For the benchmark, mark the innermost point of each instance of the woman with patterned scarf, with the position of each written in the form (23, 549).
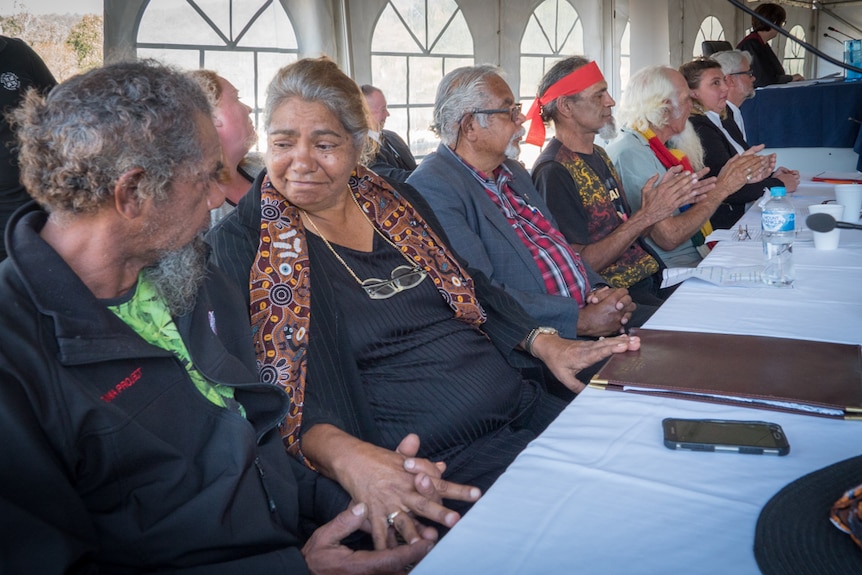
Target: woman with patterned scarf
(721, 139)
(379, 334)
(657, 137)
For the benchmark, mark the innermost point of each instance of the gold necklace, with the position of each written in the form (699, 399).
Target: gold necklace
(372, 286)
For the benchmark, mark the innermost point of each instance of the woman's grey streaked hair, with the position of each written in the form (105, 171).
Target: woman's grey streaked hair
(91, 129)
(321, 80)
(460, 92)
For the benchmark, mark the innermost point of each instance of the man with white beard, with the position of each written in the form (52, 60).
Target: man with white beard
(495, 218)
(582, 188)
(657, 137)
(137, 437)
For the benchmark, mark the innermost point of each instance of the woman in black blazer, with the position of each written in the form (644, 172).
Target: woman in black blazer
(721, 139)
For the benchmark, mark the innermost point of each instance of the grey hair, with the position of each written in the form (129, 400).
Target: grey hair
(91, 129)
(460, 92)
(731, 60)
(320, 80)
(368, 89)
(557, 72)
(650, 99)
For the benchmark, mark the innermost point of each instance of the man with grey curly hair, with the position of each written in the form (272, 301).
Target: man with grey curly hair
(138, 438)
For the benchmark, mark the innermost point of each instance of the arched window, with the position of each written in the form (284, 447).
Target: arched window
(794, 54)
(415, 43)
(554, 31)
(710, 29)
(625, 58)
(245, 41)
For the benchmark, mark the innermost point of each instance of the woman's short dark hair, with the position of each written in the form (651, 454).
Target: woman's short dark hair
(772, 12)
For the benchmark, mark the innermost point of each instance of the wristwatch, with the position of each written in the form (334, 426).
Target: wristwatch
(531, 338)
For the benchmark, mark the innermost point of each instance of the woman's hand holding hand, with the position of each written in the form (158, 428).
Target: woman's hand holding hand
(392, 484)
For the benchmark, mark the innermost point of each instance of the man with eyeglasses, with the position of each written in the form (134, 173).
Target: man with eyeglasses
(739, 77)
(497, 220)
(740, 80)
(583, 190)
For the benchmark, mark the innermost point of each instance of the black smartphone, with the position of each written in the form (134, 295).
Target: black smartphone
(758, 437)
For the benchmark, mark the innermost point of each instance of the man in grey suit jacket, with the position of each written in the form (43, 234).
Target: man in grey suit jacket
(496, 219)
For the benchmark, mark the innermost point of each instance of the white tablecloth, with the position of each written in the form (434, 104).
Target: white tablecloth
(599, 493)
(824, 304)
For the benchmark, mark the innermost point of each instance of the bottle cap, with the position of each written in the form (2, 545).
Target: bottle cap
(778, 191)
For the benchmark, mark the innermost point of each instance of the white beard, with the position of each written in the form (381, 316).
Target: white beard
(609, 131)
(689, 142)
(513, 150)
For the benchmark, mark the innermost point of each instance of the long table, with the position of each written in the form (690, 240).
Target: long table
(793, 116)
(598, 492)
(823, 115)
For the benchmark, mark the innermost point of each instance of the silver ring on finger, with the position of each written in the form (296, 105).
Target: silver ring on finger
(390, 519)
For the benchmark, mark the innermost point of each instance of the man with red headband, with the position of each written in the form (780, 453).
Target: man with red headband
(495, 218)
(583, 190)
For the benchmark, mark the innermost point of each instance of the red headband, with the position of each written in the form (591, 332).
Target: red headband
(577, 81)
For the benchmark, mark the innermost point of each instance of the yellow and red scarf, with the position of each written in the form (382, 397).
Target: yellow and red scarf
(670, 157)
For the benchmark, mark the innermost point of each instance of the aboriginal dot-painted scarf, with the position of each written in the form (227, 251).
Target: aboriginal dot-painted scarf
(280, 282)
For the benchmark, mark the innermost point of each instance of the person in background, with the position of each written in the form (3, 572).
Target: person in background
(656, 136)
(721, 139)
(496, 218)
(236, 133)
(581, 186)
(736, 67)
(21, 68)
(373, 327)
(393, 158)
(765, 64)
(137, 438)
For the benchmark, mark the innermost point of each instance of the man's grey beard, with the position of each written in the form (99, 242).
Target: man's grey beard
(609, 131)
(179, 274)
(513, 150)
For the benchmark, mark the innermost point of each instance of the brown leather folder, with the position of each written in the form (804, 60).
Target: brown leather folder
(812, 377)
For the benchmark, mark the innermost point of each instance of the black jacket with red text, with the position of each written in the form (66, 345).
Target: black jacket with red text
(113, 462)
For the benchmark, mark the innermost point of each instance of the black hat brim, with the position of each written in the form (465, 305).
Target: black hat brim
(794, 535)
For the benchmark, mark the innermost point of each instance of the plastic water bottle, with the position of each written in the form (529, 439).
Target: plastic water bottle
(779, 227)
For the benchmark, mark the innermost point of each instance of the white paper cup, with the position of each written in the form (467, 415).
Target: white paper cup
(849, 196)
(827, 240)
